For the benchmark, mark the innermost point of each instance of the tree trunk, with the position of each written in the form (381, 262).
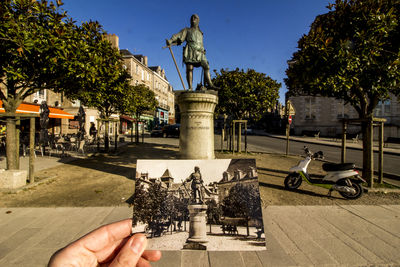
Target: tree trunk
(11, 145)
(106, 136)
(137, 131)
(368, 159)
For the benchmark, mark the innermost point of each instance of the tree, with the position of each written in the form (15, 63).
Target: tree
(243, 201)
(351, 53)
(138, 100)
(213, 212)
(99, 79)
(148, 203)
(245, 93)
(140, 202)
(35, 44)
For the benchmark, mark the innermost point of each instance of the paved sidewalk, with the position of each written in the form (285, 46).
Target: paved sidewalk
(295, 236)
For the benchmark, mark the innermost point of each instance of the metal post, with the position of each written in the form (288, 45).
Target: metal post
(245, 137)
(344, 133)
(132, 132)
(143, 132)
(98, 136)
(116, 136)
(18, 134)
(239, 137)
(222, 139)
(229, 139)
(369, 170)
(31, 177)
(233, 137)
(380, 160)
(287, 135)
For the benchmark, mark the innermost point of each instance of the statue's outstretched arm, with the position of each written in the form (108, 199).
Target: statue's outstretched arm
(178, 38)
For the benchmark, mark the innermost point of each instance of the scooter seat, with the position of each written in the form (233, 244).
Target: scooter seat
(331, 167)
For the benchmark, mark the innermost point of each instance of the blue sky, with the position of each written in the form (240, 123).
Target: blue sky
(260, 35)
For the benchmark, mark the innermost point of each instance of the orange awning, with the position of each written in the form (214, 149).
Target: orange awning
(124, 117)
(55, 113)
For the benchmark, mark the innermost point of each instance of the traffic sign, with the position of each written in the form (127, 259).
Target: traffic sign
(290, 119)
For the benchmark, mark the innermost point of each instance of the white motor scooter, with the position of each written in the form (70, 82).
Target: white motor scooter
(340, 177)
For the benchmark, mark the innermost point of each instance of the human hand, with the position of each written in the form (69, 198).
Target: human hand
(109, 245)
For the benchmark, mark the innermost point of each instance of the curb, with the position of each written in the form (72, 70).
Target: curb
(327, 143)
(27, 186)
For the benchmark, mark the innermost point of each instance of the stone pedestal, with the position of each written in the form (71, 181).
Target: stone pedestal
(12, 179)
(196, 139)
(197, 225)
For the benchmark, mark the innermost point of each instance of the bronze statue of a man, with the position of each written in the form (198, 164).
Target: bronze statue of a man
(194, 54)
(197, 183)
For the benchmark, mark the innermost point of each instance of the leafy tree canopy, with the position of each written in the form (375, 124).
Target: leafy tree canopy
(245, 94)
(96, 75)
(243, 201)
(351, 53)
(35, 43)
(138, 100)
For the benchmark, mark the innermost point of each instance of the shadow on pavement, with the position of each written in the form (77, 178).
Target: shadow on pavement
(301, 191)
(123, 163)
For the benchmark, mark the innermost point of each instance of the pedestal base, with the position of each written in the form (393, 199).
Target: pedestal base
(12, 179)
(196, 140)
(197, 225)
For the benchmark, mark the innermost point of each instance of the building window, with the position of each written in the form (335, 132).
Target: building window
(342, 110)
(382, 109)
(137, 69)
(39, 96)
(309, 108)
(142, 75)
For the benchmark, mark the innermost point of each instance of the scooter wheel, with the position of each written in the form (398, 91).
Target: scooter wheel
(359, 191)
(293, 181)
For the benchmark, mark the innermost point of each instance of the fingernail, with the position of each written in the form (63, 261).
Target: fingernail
(137, 244)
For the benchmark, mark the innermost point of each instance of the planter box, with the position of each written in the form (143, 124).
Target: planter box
(11, 179)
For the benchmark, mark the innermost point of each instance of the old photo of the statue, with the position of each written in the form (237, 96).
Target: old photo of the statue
(209, 205)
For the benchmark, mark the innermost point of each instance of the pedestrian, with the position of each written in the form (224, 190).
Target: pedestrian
(92, 130)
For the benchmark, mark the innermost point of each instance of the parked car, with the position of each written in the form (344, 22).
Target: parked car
(171, 130)
(248, 131)
(157, 132)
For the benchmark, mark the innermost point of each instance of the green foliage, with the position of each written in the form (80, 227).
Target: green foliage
(245, 94)
(243, 201)
(35, 43)
(138, 100)
(96, 75)
(351, 53)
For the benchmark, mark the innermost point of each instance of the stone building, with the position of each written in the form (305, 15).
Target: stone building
(59, 117)
(178, 190)
(154, 78)
(324, 114)
(239, 171)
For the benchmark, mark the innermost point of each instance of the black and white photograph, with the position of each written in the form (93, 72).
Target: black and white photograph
(199, 204)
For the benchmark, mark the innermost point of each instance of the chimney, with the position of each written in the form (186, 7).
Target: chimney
(145, 61)
(114, 40)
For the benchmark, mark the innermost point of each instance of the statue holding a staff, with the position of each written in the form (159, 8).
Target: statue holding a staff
(194, 54)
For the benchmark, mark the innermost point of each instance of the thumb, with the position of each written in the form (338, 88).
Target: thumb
(131, 252)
